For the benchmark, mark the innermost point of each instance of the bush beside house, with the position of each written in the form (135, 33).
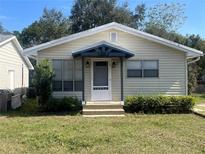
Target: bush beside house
(42, 82)
(159, 104)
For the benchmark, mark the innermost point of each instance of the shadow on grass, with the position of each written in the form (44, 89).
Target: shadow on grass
(19, 113)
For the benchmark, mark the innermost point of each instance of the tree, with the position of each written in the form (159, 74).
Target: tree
(42, 81)
(51, 25)
(139, 16)
(1, 28)
(86, 14)
(165, 17)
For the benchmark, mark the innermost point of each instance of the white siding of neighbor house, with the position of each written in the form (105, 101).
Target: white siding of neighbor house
(172, 65)
(11, 60)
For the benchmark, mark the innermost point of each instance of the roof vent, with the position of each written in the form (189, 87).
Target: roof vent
(113, 37)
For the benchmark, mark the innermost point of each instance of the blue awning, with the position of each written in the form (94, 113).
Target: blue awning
(103, 49)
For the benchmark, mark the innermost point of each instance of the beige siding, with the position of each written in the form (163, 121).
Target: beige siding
(116, 81)
(11, 60)
(87, 79)
(172, 65)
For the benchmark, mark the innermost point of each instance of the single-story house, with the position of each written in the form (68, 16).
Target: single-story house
(14, 66)
(112, 61)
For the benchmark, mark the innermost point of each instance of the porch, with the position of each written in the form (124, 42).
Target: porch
(102, 72)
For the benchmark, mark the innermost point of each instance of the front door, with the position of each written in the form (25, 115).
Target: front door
(101, 80)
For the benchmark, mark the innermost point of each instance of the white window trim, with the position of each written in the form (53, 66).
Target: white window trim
(111, 37)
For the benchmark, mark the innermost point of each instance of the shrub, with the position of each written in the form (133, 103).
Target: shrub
(31, 92)
(42, 81)
(29, 106)
(70, 104)
(159, 104)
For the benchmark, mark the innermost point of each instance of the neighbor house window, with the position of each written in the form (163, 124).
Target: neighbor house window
(68, 75)
(113, 36)
(142, 68)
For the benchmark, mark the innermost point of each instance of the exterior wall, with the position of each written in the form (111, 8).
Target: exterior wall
(87, 81)
(11, 60)
(172, 65)
(116, 81)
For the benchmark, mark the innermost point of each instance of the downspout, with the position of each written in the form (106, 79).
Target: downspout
(190, 62)
(193, 61)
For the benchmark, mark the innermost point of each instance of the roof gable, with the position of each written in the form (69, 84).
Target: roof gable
(18, 47)
(103, 49)
(190, 51)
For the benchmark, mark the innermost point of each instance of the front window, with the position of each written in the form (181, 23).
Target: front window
(68, 75)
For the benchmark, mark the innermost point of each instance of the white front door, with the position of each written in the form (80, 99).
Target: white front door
(11, 80)
(101, 80)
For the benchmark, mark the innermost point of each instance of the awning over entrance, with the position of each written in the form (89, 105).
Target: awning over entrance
(103, 49)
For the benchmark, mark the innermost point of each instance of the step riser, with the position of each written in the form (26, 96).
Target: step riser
(102, 107)
(103, 112)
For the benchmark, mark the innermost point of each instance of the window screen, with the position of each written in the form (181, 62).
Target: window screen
(150, 68)
(134, 69)
(67, 75)
(142, 68)
(57, 82)
(78, 75)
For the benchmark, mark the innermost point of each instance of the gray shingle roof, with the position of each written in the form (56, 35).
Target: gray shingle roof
(4, 37)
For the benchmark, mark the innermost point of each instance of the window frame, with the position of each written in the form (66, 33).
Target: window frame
(142, 69)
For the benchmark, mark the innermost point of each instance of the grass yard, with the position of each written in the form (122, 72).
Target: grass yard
(200, 98)
(182, 133)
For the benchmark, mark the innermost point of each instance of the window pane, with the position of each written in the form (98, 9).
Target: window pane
(57, 81)
(67, 70)
(57, 67)
(78, 85)
(150, 73)
(134, 73)
(57, 85)
(68, 85)
(78, 69)
(150, 64)
(68, 75)
(78, 64)
(134, 64)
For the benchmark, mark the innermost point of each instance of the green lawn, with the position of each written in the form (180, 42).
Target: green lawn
(182, 133)
(200, 98)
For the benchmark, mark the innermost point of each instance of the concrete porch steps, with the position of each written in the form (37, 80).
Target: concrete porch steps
(103, 109)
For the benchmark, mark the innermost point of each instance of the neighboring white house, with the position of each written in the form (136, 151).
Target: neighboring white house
(110, 62)
(14, 66)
